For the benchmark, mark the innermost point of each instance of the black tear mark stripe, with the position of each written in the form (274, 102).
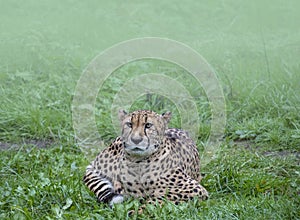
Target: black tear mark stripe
(131, 120)
(148, 139)
(146, 118)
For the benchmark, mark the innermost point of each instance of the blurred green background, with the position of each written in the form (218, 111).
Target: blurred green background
(227, 33)
(254, 47)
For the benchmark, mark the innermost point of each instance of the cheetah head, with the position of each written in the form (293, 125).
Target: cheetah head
(143, 131)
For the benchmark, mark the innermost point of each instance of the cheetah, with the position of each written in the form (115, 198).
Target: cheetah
(147, 161)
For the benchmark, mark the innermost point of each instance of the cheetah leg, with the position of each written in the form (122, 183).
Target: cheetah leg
(180, 187)
(102, 187)
(175, 186)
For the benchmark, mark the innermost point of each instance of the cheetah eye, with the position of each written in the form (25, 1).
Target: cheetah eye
(128, 124)
(148, 125)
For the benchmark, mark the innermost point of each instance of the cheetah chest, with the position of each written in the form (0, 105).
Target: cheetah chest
(139, 179)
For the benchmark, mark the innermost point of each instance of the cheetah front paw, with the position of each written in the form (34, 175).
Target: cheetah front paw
(118, 198)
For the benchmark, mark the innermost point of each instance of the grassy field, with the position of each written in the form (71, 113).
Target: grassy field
(254, 48)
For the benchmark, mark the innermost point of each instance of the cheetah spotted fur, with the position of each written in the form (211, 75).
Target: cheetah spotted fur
(147, 161)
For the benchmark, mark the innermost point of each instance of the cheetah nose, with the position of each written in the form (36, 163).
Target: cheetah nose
(136, 140)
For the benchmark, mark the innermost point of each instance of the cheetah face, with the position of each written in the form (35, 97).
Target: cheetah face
(143, 131)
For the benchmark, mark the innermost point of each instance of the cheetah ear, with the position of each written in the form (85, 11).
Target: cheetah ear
(122, 114)
(167, 116)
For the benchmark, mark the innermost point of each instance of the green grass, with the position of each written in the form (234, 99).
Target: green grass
(254, 49)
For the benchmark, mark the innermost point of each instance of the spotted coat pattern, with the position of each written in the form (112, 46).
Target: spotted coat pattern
(148, 160)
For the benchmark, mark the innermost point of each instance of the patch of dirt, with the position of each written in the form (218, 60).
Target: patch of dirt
(282, 153)
(248, 145)
(34, 143)
(244, 143)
